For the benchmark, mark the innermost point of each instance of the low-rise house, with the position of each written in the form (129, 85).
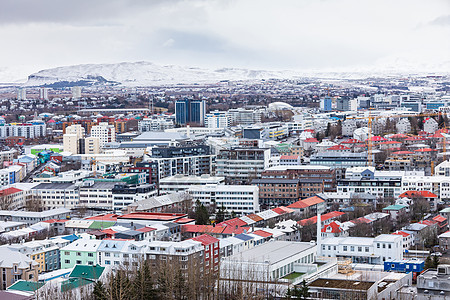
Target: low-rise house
(79, 252)
(16, 266)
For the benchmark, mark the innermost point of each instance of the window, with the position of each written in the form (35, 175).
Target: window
(389, 246)
(107, 262)
(67, 261)
(378, 245)
(345, 248)
(66, 253)
(78, 253)
(107, 254)
(384, 246)
(367, 249)
(91, 254)
(352, 248)
(359, 249)
(78, 262)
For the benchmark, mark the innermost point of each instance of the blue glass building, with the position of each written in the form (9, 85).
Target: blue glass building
(189, 111)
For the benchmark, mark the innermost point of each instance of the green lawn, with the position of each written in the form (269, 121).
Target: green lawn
(293, 275)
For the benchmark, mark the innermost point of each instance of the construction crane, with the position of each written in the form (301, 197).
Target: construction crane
(370, 120)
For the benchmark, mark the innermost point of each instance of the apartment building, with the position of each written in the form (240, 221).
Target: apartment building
(241, 165)
(439, 185)
(179, 183)
(97, 194)
(80, 252)
(29, 130)
(240, 199)
(56, 195)
(187, 159)
(155, 124)
(124, 195)
(326, 174)
(276, 192)
(105, 132)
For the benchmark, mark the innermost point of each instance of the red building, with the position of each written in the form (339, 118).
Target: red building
(211, 253)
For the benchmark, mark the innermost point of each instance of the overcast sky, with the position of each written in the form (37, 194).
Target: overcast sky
(261, 34)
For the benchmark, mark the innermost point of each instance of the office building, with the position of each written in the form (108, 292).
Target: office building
(240, 199)
(217, 119)
(325, 104)
(190, 111)
(179, 183)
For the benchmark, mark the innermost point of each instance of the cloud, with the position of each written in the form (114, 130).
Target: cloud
(441, 21)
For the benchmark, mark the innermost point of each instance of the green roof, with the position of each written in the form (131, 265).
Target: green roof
(87, 272)
(394, 207)
(26, 286)
(73, 283)
(101, 225)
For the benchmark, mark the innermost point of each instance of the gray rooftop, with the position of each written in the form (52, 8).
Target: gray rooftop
(272, 252)
(160, 136)
(275, 180)
(54, 186)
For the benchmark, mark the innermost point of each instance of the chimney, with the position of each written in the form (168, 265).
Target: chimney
(319, 233)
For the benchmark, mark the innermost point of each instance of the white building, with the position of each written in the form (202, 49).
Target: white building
(430, 125)
(155, 124)
(439, 185)
(29, 130)
(56, 195)
(443, 169)
(92, 145)
(76, 92)
(71, 138)
(242, 116)
(241, 199)
(178, 183)
(105, 132)
(43, 93)
(217, 119)
(403, 126)
(348, 127)
(364, 250)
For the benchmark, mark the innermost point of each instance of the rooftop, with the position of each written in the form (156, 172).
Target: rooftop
(272, 252)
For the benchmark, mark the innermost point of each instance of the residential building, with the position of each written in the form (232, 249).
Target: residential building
(80, 252)
(160, 123)
(92, 145)
(242, 116)
(240, 199)
(276, 192)
(30, 217)
(179, 183)
(217, 119)
(105, 132)
(16, 266)
(28, 130)
(312, 205)
(124, 195)
(211, 252)
(97, 194)
(241, 165)
(73, 139)
(56, 195)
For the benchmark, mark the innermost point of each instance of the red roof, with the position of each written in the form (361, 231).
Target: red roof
(351, 141)
(311, 140)
(233, 222)
(324, 217)
(335, 228)
(206, 239)
(439, 218)
(55, 221)
(338, 147)
(235, 230)
(437, 135)
(390, 143)
(105, 217)
(289, 157)
(262, 233)
(9, 191)
(282, 210)
(425, 150)
(109, 231)
(411, 194)
(403, 153)
(402, 233)
(145, 229)
(255, 218)
(184, 220)
(377, 138)
(361, 220)
(428, 222)
(202, 228)
(306, 202)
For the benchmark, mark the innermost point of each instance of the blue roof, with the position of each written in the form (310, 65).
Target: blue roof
(71, 237)
(243, 237)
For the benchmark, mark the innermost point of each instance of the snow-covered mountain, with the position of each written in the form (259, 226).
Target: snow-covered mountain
(145, 74)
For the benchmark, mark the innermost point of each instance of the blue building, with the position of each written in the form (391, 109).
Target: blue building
(325, 104)
(404, 266)
(189, 111)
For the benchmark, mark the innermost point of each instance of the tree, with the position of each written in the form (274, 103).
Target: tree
(419, 208)
(220, 215)
(298, 293)
(201, 214)
(99, 291)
